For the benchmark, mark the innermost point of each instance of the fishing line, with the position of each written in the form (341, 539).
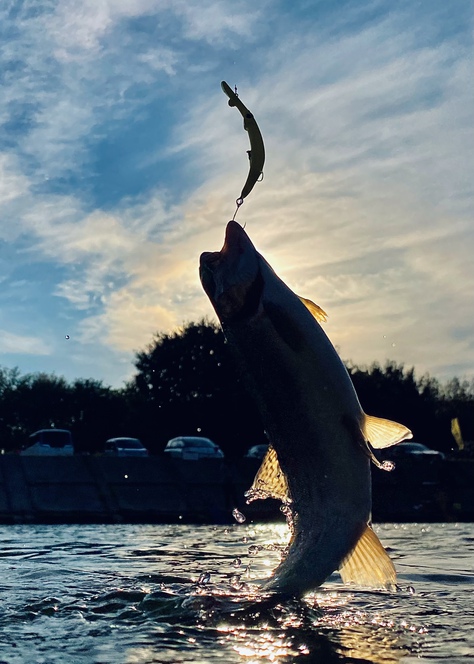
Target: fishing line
(239, 202)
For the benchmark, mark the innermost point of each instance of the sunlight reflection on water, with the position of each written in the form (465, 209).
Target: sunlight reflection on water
(147, 593)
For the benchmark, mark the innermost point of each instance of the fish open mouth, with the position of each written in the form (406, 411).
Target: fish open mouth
(231, 277)
(208, 262)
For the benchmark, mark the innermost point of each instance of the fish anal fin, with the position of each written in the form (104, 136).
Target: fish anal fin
(368, 564)
(383, 433)
(270, 481)
(320, 315)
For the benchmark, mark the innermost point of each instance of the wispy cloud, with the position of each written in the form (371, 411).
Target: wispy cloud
(120, 162)
(18, 344)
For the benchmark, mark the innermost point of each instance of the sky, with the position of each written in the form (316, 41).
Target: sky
(120, 162)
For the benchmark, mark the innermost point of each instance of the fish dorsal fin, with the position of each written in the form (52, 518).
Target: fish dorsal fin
(270, 480)
(383, 433)
(320, 315)
(368, 564)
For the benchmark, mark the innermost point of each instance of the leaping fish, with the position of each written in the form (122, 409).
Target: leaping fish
(318, 461)
(257, 149)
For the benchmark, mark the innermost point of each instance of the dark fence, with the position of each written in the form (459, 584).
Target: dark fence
(92, 489)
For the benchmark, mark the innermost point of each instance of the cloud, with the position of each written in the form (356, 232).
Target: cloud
(366, 202)
(15, 344)
(130, 319)
(217, 23)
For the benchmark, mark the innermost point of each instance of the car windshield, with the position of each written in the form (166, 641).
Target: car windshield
(191, 441)
(53, 438)
(124, 444)
(199, 442)
(130, 443)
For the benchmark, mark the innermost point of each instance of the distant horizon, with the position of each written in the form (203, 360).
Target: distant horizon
(120, 162)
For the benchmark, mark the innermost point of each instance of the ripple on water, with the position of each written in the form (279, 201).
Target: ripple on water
(132, 594)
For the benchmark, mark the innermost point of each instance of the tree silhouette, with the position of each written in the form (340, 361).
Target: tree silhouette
(40, 401)
(187, 384)
(96, 413)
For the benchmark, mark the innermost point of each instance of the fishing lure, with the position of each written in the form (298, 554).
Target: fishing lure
(257, 149)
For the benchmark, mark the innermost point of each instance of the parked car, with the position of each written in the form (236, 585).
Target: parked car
(193, 448)
(49, 442)
(411, 449)
(257, 451)
(124, 446)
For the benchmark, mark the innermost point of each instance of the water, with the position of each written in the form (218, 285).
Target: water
(136, 594)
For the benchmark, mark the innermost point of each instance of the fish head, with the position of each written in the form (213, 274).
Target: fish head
(231, 277)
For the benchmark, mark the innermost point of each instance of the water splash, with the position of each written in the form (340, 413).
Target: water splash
(254, 550)
(238, 516)
(256, 494)
(285, 508)
(204, 579)
(235, 582)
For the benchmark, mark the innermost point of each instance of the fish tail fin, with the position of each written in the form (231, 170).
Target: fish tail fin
(368, 564)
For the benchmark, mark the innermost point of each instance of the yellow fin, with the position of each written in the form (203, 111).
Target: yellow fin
(383, 433)
(270, 481)
(320, 315)
(456, 432)
(368, 564)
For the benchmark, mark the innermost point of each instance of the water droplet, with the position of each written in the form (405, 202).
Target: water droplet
(393, 345)
(66, 336)
(387, 465)
(235, 581)
(253, 550)
(204, 578)
(238, 516)
(236, 562)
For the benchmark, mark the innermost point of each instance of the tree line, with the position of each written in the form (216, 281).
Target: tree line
(186, 383)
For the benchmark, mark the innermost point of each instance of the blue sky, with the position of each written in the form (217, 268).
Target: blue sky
(120, 162)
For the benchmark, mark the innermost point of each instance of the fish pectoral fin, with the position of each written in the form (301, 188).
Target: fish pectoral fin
(320, 315)
(368, 564)
(383, 433)
(270, 480)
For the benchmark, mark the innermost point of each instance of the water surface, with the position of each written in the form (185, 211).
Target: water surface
(153, 593)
